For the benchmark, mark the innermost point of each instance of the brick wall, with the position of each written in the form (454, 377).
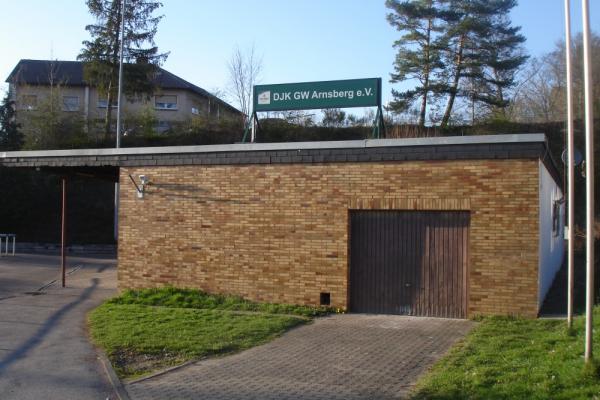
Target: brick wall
(278, 232)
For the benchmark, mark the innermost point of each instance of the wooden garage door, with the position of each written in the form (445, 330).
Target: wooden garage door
(409, 262)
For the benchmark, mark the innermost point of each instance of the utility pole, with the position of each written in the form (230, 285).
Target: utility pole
(570, 166)
(589, 180)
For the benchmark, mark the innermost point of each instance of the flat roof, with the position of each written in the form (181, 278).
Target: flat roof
(106, 162)
(250, 147)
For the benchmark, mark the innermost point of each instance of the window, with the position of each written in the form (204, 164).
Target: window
(29, 102)
(195, 111)
(102, 103)
(165, 102)
(70, 103)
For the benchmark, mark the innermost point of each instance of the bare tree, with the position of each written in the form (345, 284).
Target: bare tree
(297, 117)
(539, 97)
(333, 118)
(218, 92)
(244, 72)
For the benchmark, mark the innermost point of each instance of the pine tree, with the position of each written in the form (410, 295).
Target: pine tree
(484, 51)
(418, 56)
(140, 53)
(502, 55)
(462, 28)
(11, 138)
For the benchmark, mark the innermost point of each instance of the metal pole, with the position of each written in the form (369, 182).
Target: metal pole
(253, 127)
(120, 90)
(63, 233)
(116, 213)
(119, 104)
(571, 166)
(589, 184)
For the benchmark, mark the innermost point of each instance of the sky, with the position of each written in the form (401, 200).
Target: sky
(302, 40)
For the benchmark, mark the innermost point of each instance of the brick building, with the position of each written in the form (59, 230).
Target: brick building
(447, 227)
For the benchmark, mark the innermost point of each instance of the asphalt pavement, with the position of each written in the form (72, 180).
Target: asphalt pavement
(44, 349)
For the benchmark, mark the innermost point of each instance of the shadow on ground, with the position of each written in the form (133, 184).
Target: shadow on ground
(45, 329)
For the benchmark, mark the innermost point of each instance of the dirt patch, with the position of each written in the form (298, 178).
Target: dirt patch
(132, 364)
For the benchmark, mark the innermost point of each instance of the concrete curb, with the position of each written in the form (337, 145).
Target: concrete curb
(163, 371)
(112, 376)
(44, 248)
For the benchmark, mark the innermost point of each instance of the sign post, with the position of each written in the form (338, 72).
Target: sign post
(319, 95)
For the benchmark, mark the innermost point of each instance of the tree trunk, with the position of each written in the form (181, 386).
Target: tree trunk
(500, 96)
(455, 81)
(423, 109)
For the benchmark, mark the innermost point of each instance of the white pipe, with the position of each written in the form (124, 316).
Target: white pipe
(589, 177)
(570, 167)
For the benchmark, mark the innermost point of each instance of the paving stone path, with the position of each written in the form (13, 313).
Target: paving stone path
(352, 356)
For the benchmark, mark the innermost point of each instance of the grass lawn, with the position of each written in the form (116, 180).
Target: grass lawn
(190, 298)
(142, 331)
(509, 358)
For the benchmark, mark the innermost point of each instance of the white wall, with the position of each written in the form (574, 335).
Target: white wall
(552, 244)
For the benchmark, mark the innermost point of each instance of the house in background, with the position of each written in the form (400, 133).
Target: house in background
(174, 101)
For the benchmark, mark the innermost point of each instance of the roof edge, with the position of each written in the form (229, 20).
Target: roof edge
(240, 147)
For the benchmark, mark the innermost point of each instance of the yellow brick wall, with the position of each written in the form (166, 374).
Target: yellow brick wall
(279, 233)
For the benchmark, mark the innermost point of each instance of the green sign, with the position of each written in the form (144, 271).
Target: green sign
(315, 95)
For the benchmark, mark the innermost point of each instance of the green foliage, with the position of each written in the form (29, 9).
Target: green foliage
(202, 124)
(513, 358)
(130, 332)
(501, 55)
(419, 51)
(454, 49)
(140, 54)
(483, 53)
(11, 138)
(365, 120)
(142, 123)
(199, 123)
(192, 298)
(49, 127)
(333, 118)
